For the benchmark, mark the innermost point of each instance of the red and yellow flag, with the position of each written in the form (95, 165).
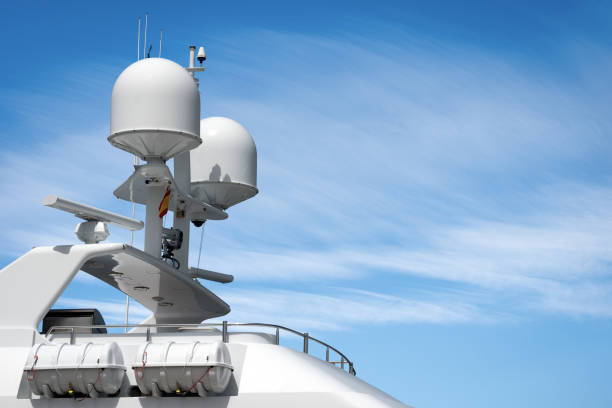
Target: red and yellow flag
(163, 206)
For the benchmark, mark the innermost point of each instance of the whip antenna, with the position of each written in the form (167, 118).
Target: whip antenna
(144, 49)
(161, 36)
(138, 59)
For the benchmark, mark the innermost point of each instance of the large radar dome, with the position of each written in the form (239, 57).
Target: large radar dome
(155, 110)
(224, 167)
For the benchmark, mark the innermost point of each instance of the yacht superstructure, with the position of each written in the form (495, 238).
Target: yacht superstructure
(176, 357)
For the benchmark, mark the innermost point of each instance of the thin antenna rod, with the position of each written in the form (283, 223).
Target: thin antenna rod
(144, 49)
(201, 239)
(127, 311)
(138, 59)
(161, 36)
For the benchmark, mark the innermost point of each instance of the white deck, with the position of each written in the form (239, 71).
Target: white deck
(265, 374)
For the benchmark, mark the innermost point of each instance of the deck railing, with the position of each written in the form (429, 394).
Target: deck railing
(343, 361)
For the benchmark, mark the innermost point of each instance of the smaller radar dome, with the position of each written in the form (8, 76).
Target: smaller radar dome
(155, 110)
(224, 167)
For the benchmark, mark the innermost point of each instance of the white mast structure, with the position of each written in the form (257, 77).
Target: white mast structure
(155, 110)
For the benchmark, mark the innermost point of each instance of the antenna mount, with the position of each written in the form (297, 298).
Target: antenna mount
(201, 57)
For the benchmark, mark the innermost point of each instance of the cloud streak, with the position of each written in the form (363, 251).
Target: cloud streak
(344, 308)
(339, 309)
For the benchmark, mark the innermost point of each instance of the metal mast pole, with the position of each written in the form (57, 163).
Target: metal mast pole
(182, 177)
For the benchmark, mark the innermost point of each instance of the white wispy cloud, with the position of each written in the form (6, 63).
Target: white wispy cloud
(449, 165)
(344, 308)
(555, 259)
(340, 309)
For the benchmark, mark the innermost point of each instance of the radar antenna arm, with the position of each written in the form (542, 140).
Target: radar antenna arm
(89, 213)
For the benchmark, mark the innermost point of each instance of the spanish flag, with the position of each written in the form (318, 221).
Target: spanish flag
(163, 206)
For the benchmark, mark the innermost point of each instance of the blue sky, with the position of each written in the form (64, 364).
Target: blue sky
(434, 179)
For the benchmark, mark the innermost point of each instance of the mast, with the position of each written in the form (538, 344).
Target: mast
(155, 115)
(182, 176)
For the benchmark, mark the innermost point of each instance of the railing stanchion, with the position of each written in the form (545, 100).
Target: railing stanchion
(342, 362)
(327, 354)
(72, 336)
(148, 335)
(306, 343)
(225, 336)
(277, 337)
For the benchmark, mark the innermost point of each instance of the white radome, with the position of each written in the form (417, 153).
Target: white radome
(224, 167)
(155, 110)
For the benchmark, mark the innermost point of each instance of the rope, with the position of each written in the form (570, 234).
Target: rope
(144, 361)
(201, 239)
(198, 380)
(30, 373)
(92, 386)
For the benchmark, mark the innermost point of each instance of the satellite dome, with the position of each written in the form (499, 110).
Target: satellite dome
(224, 167)
(155, 110)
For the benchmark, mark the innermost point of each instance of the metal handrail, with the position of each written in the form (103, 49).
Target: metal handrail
(224, 334)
